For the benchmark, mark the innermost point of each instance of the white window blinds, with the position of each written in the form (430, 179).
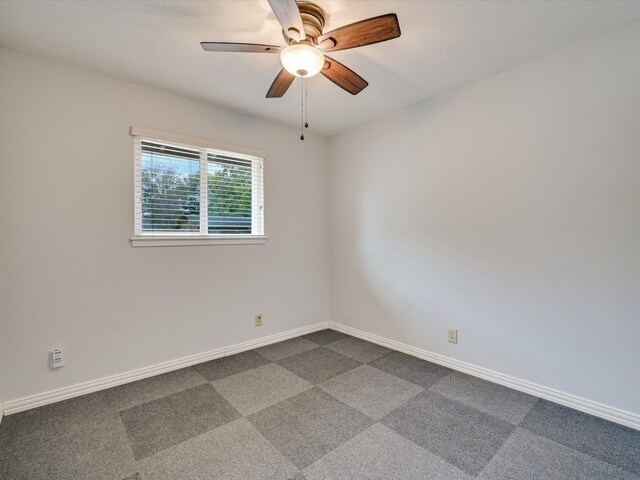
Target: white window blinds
(192, 191)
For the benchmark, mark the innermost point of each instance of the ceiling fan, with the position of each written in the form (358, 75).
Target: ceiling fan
(305, 54)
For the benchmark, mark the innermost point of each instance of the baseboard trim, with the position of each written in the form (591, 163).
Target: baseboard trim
(607, 412)
(64, 393)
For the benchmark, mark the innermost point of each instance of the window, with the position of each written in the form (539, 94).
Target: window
(187, 194)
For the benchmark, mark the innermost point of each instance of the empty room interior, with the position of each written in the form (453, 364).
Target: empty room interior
(319, 240)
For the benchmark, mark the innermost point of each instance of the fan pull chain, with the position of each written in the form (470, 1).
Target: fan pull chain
(306, 104)
(302, 109)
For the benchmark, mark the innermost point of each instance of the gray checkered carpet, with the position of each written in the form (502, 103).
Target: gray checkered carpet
(321, 406)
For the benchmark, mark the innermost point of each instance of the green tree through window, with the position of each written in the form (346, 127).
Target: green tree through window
(229, 198)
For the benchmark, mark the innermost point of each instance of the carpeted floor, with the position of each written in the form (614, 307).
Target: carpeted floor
(321, 406)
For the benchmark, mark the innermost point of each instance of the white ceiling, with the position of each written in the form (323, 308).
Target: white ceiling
(444, 44)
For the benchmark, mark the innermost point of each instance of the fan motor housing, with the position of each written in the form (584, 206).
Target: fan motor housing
(313, 19)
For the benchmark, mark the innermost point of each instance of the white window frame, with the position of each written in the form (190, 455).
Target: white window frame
(156, 239)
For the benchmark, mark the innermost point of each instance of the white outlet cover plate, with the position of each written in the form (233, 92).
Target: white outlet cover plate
(453, 335)
(56, 357)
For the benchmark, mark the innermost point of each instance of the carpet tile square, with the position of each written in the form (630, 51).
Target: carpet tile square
(379, 453)
(527, 456)
(607, 441)
(261, 387)
(371, 391)
(76, 439)
(358, 349)
(318, 365)
(411, 369)
(235, 451)
(501, 402)
(226, 366)
(324, 337)
(459, 434)
(280, 350)
(152, 388)
(306, 427)
(162, 423)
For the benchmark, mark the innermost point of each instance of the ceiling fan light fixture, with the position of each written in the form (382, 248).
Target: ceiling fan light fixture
(302, 60)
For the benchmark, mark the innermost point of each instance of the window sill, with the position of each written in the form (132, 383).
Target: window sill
(186, 241)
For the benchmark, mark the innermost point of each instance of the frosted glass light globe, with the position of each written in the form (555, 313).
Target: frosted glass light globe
(302, 60)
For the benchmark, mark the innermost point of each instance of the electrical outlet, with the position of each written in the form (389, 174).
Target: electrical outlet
(453, 335)
(56, 358)
(258, 319)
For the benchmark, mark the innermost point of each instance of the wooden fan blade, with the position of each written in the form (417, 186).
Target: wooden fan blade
(281, 84)
(239, 47)
(343, 77)
(365, 32)
(288, 15)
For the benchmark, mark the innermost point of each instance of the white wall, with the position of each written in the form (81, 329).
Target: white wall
(509, 209)
(68, 275)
